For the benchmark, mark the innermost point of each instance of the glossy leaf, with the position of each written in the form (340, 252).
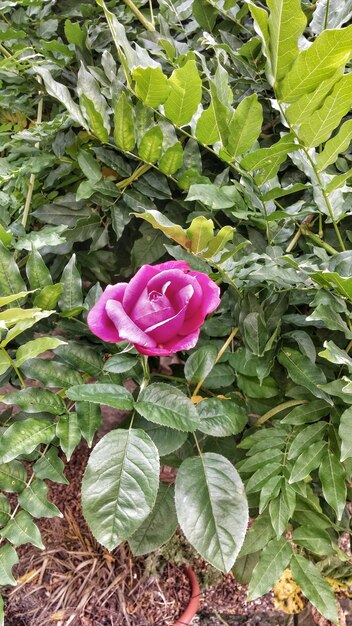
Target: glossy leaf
(36, 400)
(8, 558)
(152, 85)
(307, 413)
(185, 94)
(21, 529)
(166, 439)
(314, 586)
(333, 480)
(72, 287)
(23, 437)
(159, 526)
(303, 372)
(286, 24)
(81, 356)
(308, 461)
(89, 419)
(13, 477)
(167, 406)
(51, 373)
(50, 466)
(124, 132)
(150, 147)
(245, 126)
(274, 558)
(37, 272)
(171, 160)
(221, 418)
(32, 348)
(69, 433)
(200, 363)
(102, 393)
(34, 500)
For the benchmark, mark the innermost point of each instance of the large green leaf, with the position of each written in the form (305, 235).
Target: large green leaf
(315, 539)
(21, 529)
(200, 363)
(330, 51)
(212, 508)
(273, 560)
(51, 373)
(205, 14)
(221, 418)
(207, 131)
(303, 372)
(335, 146)
(34, 500)
(69, 433)
(306, 413)
(120, 485)
(72, 286)
(37, 272)
(103, 393)
(23, 437)
(330, 14)
(308, 461)
(333, 480)
(32, 348)
(245, 126)
(159, 526)
(13, 477)
(171, 160)
(171, 230)
(89, 419)
(185, 94)
(268, 160)
(152, 85)
(305, 437)
(36, 400)
(286, 24)
(61, 93)
(93, 104)
(50, 466)
(81, 356)
(166, 439)
(124, 130)
(314, 586)
(150, 147)
(167, 406)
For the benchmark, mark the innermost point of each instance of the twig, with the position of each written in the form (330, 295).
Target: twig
(147, 25)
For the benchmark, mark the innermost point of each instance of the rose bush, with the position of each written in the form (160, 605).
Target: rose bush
(160, 311)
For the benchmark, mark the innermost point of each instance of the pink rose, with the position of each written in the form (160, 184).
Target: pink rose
(160, 310)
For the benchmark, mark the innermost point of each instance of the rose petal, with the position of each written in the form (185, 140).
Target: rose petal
(211, 293)
(98, 321)
(180, 343)
(166, 330)
(177, 279)
(151, 309)
(137, 285)
(127, 329)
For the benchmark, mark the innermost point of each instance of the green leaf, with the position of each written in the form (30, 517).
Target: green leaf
(334, 354)
(204, 14)
(305, 437)
(62, 94)
(330, 14)
(166, 439)
(245, 126)
(89, 166)
(21, 529)
(13, 477)
(308, 461)
(185, 94)
(211, 195)
(298, 112)
(159, 526)
(268, 160)
(333, 480)
(212, 508)
(335, 146)
(5, 510)
(32, 348)
(261, 476)
(49, 296)
(286, 25)
(51, 373)
(36, 400)
(34, 500)
(270, 491)
(273, 560)
(120, 485)
(218, 242)
(11, 281)
(120, 363)
(328, 52)
(167, 406)
(317, 540)
(93, 104)
(50, 466)
(200, 233)
(332, 279)
(124, 128)
(72, 287)
(259, 459)
(89, 420)
(5, 362)
(171, 160)
(69, 433)
(221, 418)
(37, 272)
(173, 231)
(255, 333)
(207, 132)
(309, 412)
(102, 393)
(200, 363)
(261, 26)
(319, 127)
(8, 558)
(150, 147)
(257, 536)
(74, 33)
(303, 372)
(345, 433)
(81, 356)
(23, 437)
(314, 587)
(152, 85)
(281, 510)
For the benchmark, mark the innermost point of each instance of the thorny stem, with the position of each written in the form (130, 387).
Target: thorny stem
(219, 355)
(32, 176)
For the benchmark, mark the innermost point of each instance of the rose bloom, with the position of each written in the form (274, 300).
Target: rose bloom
(160, 311)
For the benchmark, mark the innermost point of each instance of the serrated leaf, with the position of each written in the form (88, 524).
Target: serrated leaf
(152, 85)
(89, 419)
(50, 466)
(8, 558)
(159, 526)
(200, 363)
(36, 400)
(102, 393)
(72, 286)
(23, 437)
(335, 146)
(286, 24)
(314, 587)
(221, 418)
(245, 126)
(166, 439)
(37, 272)
(171, 160)
(185, 94)
(21, 529)
(32, 348)
(212, 508)
(274, 558)
(34, 500)
(328, 52)
(124, 129)
(13, 477)
(303, 372)
(120, 363)
(308, 461)
(150, 147)
(81, 356)
(120, 485)
(69, 433)
(167, 406)
(333, 480)
(51, 373)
